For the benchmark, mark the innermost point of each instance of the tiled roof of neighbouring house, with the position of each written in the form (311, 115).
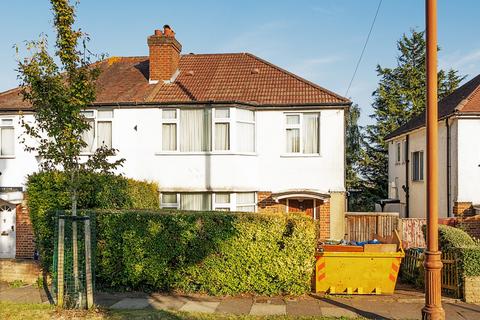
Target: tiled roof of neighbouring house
(466, 99)
(236, 77)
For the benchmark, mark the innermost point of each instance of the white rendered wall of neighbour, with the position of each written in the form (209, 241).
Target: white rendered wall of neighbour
(14, 168)
(417, 201)
(469, 160)
(396, 176)
(136, 133)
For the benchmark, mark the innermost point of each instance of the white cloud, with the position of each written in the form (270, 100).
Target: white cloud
(466, 63)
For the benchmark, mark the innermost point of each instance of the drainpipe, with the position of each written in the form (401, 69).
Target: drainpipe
(448, 167)
(407, 181)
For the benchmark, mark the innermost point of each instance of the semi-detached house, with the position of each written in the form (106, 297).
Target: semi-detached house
(216, 131)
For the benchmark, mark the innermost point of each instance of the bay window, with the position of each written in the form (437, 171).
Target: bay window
(7, 138)
(204, 201)
(302, 132)
(208, 129)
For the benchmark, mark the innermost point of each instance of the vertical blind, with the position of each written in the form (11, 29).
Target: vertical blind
(104, 134)
(310, 128)
(195, 132)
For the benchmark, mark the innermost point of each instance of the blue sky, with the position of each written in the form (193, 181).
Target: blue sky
(319, 40)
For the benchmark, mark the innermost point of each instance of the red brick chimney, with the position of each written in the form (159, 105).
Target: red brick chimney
(164, 54)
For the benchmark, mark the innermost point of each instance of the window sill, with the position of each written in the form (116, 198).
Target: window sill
(300, 155)
(212, 153)
(7, 157)
(417, 181)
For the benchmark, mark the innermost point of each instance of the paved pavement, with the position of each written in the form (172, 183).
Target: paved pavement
(404, 304)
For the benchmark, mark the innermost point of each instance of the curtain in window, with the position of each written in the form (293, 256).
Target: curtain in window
(246, 137)
(89, 137)
(169, 137)
(310, 127)
(8, 141)
(104, 134)
(246, 202)
(222, 198)
(293, 140)
(169, 198)
(222, 136)
(195, 130)
(195, 201)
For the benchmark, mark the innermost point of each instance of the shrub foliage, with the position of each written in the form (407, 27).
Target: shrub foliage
(212, 252)
(48, 192)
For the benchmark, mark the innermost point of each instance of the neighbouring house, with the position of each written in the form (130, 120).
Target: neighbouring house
(216, 131)
(459, 157)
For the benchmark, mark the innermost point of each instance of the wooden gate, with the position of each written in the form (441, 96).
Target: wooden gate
(361, 226)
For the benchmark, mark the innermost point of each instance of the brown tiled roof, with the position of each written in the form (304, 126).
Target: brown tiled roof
(237, 77)
(464, 100)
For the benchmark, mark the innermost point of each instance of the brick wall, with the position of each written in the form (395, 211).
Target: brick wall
(324, 219)
(463, 209)
(164, 56)
(25, 242)
(471, 289)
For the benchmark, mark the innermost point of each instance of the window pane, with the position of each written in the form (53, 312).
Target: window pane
(8, 142)
(222, 136)
(246, 208)
(246, 137)
(195, 201)
(169, 198)
(293, 140)
(222, 113)
(245, 115)
(87, 114)
(7, 122)
(421, 165)
(246, 198)
(310, 128)
(195, 132)
(293, 119)
(169, 137)
(169, 114)
(222, 198)
(89, 137)
(104, 135)
(105, 114)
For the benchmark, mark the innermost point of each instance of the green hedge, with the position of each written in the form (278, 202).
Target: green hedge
(211, 252)
(48, 192)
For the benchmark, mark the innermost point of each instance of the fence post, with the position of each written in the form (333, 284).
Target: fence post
(61, 259)
(88, 265)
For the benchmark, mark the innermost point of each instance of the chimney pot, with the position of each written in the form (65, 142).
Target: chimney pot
(158, 32)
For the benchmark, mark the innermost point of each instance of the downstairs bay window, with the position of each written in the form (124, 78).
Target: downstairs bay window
(204, 201)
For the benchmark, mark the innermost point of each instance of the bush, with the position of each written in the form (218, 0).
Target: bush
(469, 258)
(450, 237)
(211, 252)
(48, 192)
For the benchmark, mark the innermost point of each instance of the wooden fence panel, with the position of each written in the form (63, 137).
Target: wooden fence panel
(361, 226)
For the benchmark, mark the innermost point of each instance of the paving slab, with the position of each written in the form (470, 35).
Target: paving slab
(200, 306)
(338, 312)
(236, 306)
(266, 309)
(131, 303)
(164, 302)
(308, 307)
(26, 294)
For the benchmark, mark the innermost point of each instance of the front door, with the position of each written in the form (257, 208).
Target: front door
(7, 231)
(301, 205)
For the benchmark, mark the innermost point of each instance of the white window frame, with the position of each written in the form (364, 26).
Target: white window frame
(96, 120)
(175, 121)
(302, 133)
(8, 126)
(232, 205)
(421, 164)
(216, 120)
(232, 121)
(398, 152)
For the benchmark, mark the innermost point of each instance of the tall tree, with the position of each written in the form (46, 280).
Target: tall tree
(58, 92)
(399, 97)
(353, 147)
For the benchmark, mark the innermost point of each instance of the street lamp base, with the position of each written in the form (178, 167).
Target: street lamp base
(433, 313)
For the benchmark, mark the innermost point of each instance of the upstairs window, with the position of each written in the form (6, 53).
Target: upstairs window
(7, 138)
(398, 152)
(100, 132)
(303, 133)
(417, 166)
(208, 129)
